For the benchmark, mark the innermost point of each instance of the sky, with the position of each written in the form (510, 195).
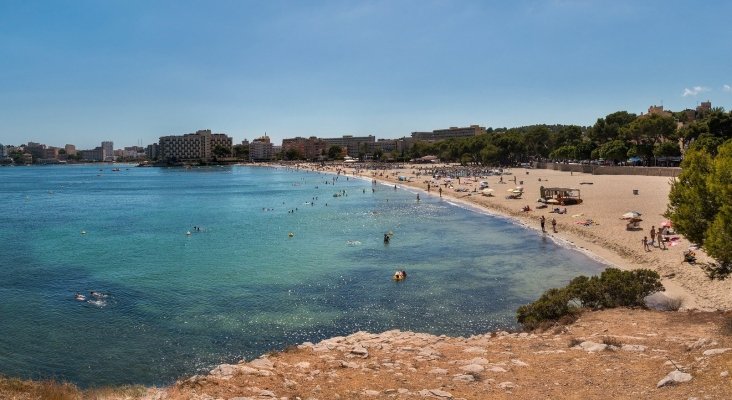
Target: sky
(130, 71)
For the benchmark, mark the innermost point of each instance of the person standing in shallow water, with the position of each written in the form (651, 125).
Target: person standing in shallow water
(440, 192)
(542, 221)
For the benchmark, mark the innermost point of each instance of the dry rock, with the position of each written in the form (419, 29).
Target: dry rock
(673, 378)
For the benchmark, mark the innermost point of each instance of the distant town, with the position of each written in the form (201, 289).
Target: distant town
(204, 146)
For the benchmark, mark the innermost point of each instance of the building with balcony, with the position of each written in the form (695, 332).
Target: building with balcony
(353, 145)
(197, 146)
(450, 133)
(308, 148)
(261, 149)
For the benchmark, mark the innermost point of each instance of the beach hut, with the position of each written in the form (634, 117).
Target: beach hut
(563, 196)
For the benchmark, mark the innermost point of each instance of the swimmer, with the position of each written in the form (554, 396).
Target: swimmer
(79, 297)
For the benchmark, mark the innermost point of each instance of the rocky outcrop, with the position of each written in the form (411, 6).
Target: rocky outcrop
(616, 354)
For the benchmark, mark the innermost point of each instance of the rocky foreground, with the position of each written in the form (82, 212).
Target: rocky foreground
(614, 354)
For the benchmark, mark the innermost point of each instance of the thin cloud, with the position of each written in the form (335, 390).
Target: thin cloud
(694, 91)
(727, 88)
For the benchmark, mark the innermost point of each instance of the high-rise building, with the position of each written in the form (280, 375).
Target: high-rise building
(108, 151)
(261, 149)
(70, 149)
(3, 151)
(152, 151)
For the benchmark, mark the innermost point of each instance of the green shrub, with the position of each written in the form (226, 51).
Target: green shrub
(613, 288)
(551, 306)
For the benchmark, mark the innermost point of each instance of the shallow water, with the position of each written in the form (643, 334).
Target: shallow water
(177, 304)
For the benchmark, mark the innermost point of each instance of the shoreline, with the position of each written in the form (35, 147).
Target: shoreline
(605, 240)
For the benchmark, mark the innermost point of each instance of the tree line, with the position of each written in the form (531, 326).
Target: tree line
(616, 138)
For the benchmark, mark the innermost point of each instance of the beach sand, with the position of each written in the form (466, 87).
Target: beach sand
(605, 199)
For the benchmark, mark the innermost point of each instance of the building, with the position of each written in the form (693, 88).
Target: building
(261, 149)
(152, 151)
(36, 150)
(107, 151)
(131, 152)
(704, 107)
(3, 151)
(222, 140)
(310, 149)
(70, 149)
(450, 133)
(658, 110)
(51, 153)
(197, 146)
(354, 146)
(96, 154)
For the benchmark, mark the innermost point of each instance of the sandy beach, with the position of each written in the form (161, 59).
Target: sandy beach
(594, 226)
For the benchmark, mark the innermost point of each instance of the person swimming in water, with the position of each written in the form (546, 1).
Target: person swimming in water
(386, 238)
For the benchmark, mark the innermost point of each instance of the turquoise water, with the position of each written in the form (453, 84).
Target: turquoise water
(176, 304)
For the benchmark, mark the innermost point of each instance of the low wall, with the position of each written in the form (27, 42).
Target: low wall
(611, 170)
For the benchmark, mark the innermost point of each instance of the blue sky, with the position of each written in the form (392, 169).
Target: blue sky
(131, 71)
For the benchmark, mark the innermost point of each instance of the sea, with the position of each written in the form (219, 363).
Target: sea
(194, 267)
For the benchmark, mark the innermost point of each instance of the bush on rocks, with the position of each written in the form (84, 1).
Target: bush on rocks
(613, 288)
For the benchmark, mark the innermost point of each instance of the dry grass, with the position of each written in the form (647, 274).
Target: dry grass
(18, 389)
(612, 341)
(671, 304)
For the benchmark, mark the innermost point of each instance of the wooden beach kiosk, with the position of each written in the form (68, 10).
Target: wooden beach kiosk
(560, 195)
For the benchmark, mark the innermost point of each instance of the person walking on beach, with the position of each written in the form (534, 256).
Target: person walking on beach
(653, 236)
(440, 192)
(554, 225)
(542, 221)
(645, 244)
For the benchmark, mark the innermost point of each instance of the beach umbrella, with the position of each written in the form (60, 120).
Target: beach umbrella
(517, 191)
(520, 188)
(666, 224)
(487, 191)
(631, 214)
